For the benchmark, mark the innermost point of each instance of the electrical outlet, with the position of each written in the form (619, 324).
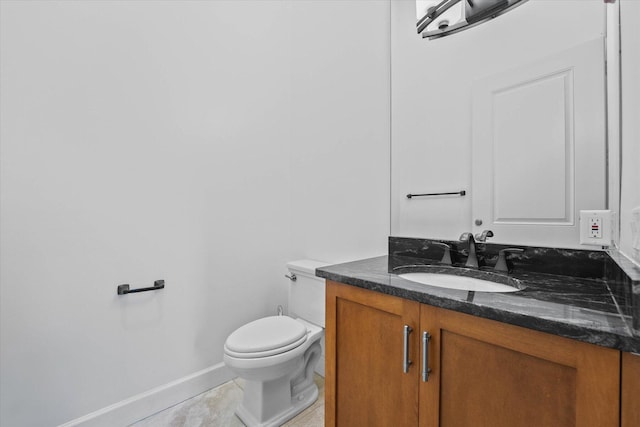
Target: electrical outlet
(595, 228)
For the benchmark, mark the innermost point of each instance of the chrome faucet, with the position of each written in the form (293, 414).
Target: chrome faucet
(472, 259)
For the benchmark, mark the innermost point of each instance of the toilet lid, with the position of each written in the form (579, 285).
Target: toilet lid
(266, 336)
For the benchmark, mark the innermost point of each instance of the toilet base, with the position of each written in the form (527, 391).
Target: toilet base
(274, 402)
(299, 403)
(278, 387)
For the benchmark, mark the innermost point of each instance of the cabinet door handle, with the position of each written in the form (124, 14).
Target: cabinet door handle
(405, 357)
(425, 356)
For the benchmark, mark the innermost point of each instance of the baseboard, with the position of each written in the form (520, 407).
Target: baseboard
(140, 406)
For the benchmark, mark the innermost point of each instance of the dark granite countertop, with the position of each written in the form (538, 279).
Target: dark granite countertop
(592, 310)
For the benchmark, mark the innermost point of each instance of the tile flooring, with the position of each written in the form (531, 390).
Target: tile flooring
(216, 408)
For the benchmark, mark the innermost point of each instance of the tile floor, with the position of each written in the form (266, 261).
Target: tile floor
(216, 408)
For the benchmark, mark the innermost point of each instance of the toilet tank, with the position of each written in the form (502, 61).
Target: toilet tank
(306, 293)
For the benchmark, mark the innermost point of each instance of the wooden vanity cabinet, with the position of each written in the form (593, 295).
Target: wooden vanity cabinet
(482, 372)
(630, 390)
(364, 380)
(488, 373)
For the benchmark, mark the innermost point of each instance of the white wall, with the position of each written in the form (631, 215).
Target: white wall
(431, 101)
(630, 180)
(172, 140)
(340, 129)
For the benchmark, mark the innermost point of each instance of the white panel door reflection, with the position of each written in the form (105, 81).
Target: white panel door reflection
(538, 147)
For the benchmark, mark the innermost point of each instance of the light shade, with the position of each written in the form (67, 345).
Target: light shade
(439, 18)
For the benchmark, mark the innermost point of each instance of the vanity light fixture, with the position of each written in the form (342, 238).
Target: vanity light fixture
(439, 18)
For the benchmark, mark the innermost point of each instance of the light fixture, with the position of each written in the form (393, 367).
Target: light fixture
(439, 18)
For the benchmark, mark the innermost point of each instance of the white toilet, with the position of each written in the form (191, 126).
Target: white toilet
(277, 355)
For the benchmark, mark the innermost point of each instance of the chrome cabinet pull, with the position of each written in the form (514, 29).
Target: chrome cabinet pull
(425, 356)
(405, 359)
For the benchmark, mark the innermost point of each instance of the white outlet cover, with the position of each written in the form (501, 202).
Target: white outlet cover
(605, 228)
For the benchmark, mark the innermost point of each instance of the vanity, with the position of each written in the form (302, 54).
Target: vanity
(528, 112)
(559, 351)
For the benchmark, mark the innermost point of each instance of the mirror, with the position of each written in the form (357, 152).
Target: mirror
(497, 113)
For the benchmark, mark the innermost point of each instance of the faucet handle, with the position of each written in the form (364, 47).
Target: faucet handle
(482, 237)
(446, 257)
(502, 264)
(465, 236)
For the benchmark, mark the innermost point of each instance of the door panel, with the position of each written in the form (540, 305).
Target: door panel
(365, 382)
(538, 147)
(487, 373)
(496, 387)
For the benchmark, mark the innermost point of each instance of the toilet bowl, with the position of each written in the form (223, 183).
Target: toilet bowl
(277, 355)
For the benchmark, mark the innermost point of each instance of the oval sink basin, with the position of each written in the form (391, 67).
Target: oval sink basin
(463, 283)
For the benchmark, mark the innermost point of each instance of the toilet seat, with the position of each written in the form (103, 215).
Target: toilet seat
(266, 337)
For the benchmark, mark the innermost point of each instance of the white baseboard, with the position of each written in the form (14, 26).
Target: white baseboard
(140, 406)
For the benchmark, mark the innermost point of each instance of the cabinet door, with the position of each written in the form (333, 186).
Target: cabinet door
(630, 390)
(365, 383)
(486, 373)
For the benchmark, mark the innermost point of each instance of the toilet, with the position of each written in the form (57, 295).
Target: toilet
(277, 355)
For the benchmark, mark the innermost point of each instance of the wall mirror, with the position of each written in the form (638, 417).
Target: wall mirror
(513, 112)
